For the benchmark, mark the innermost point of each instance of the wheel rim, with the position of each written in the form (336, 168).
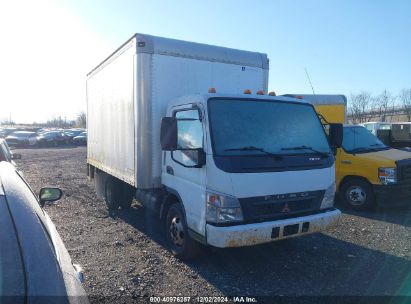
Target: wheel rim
(176, 230)
(356, 195)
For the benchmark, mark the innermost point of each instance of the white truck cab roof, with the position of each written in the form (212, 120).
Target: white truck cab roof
(203, 98)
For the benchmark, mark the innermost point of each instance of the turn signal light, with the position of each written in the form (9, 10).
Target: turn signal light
(260, 92)
(299, 97)
(212, 90)
(247, 91)
(272, 94)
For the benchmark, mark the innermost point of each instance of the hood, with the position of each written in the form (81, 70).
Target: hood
(260, 184)
(11, 137)
(245, 185)
(386, 157)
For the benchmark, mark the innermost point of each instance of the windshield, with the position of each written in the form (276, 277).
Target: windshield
(357, 139)
(250, 127)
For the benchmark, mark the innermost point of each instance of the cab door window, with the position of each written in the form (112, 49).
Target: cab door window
(189, 138)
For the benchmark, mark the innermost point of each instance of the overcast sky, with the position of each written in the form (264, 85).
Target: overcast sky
(48, 46)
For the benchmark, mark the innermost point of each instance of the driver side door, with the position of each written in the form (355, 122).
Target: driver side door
(180, 174)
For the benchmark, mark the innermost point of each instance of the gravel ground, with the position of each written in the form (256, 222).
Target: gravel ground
(124, 253)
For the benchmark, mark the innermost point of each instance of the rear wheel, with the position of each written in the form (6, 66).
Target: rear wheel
(117, 194)
(181, 244)
(357, 194)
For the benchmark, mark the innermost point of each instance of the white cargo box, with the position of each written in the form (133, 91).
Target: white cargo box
(128, 93)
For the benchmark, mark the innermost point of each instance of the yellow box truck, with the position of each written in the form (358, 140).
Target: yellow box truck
(368, 173)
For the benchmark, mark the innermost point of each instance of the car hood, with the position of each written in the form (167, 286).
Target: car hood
(15, 138)
(386, 157)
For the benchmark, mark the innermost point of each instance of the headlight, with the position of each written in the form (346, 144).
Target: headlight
(387, 175)
(328, 199)
(222, 208)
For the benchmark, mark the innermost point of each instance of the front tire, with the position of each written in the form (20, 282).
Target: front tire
(357, 194)
(181, 244)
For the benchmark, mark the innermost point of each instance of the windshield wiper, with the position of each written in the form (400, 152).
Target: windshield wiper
(323, 154)
(378, 145)
(252, 148)
(374, 148)
(359, 149)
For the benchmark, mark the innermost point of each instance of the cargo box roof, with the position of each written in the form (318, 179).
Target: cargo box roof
(179, 48)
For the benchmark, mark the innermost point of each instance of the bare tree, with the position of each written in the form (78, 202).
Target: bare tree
(359, 106)
(5, 122)
(353, 109)
(405, 99)
(383, 103)
(81, 120)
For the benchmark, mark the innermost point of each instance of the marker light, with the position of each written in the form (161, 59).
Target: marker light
(299, 97)
(247, 91)
(260, 92)
(272, 94)
(212, 90)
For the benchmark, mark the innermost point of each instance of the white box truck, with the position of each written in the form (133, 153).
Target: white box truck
(219, 168)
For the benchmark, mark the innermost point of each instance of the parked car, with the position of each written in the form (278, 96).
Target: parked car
(6, 154)
(81, 139)
(52, 138)
(72, 133)
(6, 131)
(34, 262)
(22, 138)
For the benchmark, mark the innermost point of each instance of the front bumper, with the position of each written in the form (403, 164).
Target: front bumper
(258, 233)
(393, 195)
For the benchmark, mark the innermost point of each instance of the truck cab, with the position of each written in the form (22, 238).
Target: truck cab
(245, 169)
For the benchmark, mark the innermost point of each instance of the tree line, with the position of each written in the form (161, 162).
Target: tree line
(364, 107)
(55, 122)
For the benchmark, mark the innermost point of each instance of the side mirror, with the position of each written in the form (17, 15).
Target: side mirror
(168, 134)
(49, 194)
(16, 156)
(336, 135)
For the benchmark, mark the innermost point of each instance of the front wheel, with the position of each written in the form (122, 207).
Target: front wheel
(357, 194)
(181, 244)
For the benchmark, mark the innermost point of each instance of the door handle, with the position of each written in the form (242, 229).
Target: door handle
(346, 162)
(169, 170)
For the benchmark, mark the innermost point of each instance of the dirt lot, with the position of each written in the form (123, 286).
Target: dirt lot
(124, 253)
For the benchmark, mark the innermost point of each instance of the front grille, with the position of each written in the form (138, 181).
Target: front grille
(406, 173)
(404, 169)
(278, 206)
(262, 209)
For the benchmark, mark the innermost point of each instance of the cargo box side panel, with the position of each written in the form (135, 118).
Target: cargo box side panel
(174, 76)
(110, 116)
